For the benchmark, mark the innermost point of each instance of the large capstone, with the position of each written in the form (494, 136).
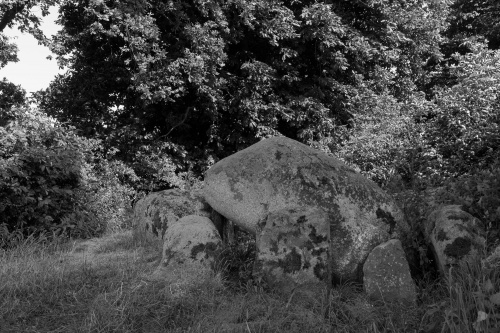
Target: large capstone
(278, 173)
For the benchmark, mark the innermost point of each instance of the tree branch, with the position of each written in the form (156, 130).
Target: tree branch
(10, 15)
(180, 123)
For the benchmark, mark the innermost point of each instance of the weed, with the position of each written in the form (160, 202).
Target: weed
(106, 285)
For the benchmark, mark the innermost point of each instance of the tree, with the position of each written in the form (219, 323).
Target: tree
(10, 96)
(21, 14)
(475, 18)
(466, 127)
(199, 80)
(8, 51)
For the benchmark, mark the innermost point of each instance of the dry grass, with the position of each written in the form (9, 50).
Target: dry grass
(109, 285)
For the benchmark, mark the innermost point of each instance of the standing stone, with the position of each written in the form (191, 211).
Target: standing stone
(292, 249)
(387, 274)
(154, 213)
(455, 236)
(280, 173)
(191, 240)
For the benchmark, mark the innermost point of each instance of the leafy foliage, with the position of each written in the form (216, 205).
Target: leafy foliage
(385, 140)
(40, 168)
(10, 96)
(170, 88)
(476, 18)
(25, 15)
(466, 127)
(203, 80)
(52, 182)
(8, 51)
(20, 13)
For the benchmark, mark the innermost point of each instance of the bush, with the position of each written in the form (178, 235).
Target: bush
(53, 181)
(385, 139)
(106, 193)
(40, 168)
(465, 129)
(427, 142)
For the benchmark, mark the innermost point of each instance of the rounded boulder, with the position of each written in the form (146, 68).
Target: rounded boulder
(190, 240)
(455, 236)
(157, 211)
(280, 173)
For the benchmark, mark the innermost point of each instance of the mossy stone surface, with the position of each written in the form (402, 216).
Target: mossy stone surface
(154, 213)
(292, 249)
(455, 236)
(280, 173)
(191, 240)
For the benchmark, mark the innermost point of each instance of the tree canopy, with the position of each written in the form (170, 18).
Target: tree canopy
(156, 91)
(199, 80)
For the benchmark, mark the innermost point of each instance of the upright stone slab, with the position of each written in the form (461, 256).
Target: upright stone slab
(455, 236)
(292, 249)
(280, 173)
(191, 240)
(387, 274)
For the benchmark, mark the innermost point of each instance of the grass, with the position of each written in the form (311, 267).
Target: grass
(109, 284)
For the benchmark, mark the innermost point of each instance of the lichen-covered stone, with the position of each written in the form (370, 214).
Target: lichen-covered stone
(280, 173)
(454, 235)
(292, 248)
(190, 240)
(154, 213)
(386, 274)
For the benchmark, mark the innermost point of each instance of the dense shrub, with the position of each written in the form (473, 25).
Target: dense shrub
(104, 198)
(385, 141)
(424, 142)
(53, 181)
(465, 127)
(40, 169)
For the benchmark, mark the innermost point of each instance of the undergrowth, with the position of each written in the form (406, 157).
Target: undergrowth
(104, 285)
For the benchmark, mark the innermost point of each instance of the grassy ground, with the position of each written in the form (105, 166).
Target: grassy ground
(106, 285)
